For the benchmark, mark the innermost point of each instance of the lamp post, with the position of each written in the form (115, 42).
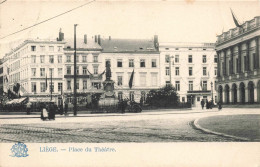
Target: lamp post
(75, 73)
(170, 69)
(211, 91)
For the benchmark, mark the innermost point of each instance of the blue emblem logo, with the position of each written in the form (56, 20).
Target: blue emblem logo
(19, 150)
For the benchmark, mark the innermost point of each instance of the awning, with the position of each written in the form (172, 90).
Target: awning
(33, 99)
(17, 101)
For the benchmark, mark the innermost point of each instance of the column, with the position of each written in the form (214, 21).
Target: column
(255, 94)
(225, 63)
(223, 96)
(239, 58)
(218, 54)
(238, 95)
(232, 61)
(247, 67)
(246, 94)
(256, 59)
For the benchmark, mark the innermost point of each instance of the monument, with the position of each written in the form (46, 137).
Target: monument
(108, 98)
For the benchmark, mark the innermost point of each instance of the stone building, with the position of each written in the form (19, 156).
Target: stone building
(191, 68)
(238, 65)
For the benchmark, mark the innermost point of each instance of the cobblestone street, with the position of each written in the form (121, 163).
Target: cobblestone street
(174, 126)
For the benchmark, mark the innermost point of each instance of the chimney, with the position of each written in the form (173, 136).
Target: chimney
(109, 38)
(156, 43)
(85, 38)
(95, 39)
(99, 40)
(61, 36)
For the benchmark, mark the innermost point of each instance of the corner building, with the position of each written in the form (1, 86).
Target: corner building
(191, 68)
(238, 65)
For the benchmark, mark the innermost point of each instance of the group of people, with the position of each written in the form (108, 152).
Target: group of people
(209, 104)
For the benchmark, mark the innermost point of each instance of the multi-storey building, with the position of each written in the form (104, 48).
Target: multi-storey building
(1, 78)
(128, 55)
(30, 64)
(88, 69)
(238, 65)
(191, 68)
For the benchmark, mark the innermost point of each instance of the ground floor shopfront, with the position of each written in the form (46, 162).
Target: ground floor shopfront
(195, 97)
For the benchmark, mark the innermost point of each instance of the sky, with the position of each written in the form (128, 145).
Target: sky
(172, 21)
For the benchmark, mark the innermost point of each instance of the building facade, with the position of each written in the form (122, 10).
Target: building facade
(1, 79)
(191, 68)
(31, 64)
(238, 65)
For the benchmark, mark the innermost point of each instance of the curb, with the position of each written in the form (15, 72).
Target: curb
(197, 126)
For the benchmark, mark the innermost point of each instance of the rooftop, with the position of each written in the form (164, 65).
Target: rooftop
(233, 33)
(90, 45)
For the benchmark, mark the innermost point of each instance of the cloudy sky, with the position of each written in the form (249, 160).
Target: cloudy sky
(173, 21)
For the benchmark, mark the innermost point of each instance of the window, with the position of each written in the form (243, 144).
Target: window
(77, 84)
(51, 48)
(84, 70)
(69, 85)
(154, 79)
(69, 70)
(177, 85)
(51, 87)
(204, 85)
(177, 71)
(77, 58)
(33, 48)
(190, 59)
(84, 58)
(198, 98)
(59, 48)
(153, 62)
(95, 69)
(131, 63)
(77, 70)
(85, 86)
(119, 63)
(183, 99)
(51, 59)
(131, 96)
(33, 59)
(215, 85)
(142, 63)
(204, 59)
(68, 58)
(51, 72)
(59, 58)
(190, 48)
(142, 79)
(168, 83)
(215, 71)
(59, 86)
(95, 59)
(204, 71)
(33, 72)
(34, 87)
(43, 87)
(215, 59)
(190, 71)
(167, 58)
(176, 58)
(190, 85)
(120, 96)
(167, 70)
(42, 48)
(42, 72)
(42, 57)
(60, 72)
(119, 80)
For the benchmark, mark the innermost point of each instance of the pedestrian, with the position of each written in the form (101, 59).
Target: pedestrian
(207, 104)
(44, 114)
(219, 106)
(66, 108)
(202, 104)
(28, 108)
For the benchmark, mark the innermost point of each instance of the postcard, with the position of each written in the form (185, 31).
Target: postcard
(129, 83)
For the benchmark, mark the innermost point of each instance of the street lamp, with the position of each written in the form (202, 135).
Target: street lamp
(170, 69)
(211, 91)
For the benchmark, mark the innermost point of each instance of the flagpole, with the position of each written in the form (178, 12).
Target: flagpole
(51, 85)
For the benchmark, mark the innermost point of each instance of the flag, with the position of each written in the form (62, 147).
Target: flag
(235, 20)
(131, 80)
(46, 84)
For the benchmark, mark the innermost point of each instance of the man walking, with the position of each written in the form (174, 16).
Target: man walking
(28, 108)
(202, 104)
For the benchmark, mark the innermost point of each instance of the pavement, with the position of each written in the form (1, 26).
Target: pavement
(168, 125)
